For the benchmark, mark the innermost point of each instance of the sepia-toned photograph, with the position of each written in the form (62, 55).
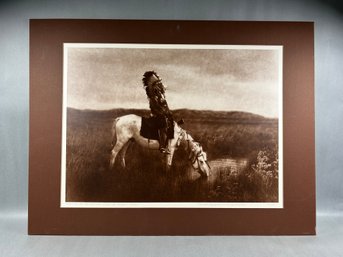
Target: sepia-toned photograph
(148, 125)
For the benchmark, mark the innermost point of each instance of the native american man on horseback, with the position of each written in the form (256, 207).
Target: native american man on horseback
(155, 91)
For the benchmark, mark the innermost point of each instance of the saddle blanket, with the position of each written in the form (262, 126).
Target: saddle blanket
(150, 128)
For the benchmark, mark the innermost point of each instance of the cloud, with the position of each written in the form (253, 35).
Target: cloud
(230, 79)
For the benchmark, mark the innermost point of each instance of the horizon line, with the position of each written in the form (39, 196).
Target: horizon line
(178, 109)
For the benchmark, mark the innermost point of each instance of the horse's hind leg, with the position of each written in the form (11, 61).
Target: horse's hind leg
(123, 153)
(118, 146)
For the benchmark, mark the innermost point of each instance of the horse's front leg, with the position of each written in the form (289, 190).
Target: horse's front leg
(169, 160)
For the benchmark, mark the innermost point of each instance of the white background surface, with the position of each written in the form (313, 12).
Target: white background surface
(14, 111)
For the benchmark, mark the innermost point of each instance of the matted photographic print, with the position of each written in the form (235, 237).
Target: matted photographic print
(166, 125)
(141, 127)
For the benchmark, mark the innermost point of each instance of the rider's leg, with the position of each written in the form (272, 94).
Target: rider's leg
(163, 140)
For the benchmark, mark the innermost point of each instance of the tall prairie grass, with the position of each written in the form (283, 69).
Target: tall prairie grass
(222, 134)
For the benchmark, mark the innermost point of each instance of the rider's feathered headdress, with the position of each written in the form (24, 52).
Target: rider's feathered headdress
(147, 75)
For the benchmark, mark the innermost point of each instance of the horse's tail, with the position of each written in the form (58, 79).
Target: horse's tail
(114, 134)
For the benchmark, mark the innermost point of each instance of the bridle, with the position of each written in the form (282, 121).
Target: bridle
(195, 153)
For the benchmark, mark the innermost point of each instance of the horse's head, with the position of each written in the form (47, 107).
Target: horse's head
(198, 158)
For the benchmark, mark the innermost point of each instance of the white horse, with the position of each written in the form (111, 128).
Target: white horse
(127, 127)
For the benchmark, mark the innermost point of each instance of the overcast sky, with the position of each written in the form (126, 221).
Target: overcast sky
(204, 79)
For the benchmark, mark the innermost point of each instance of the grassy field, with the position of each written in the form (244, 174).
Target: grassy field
(222, 135)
